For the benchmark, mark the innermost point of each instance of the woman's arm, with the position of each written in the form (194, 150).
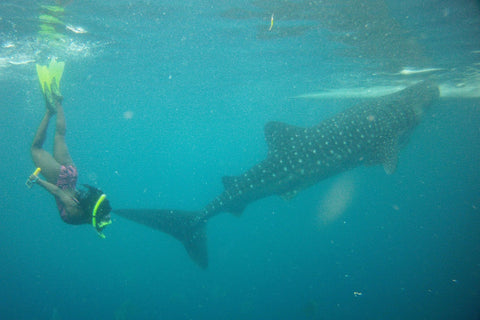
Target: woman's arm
(71, 205)
(50, 187)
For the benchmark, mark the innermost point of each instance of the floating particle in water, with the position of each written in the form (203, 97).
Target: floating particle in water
(128, 115)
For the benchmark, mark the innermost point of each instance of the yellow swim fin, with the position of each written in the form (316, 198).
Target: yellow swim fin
(56, 71)
(46, 75)
(42, 73)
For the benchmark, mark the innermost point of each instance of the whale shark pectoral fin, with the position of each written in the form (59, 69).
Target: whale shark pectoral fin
(390, 156)
(386, 155)
(390, 166)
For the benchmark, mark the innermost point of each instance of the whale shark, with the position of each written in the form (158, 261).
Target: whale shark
(370, 133)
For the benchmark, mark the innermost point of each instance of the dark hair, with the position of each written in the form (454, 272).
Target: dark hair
(88, 197)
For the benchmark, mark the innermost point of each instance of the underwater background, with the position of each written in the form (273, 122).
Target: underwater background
(164, 98)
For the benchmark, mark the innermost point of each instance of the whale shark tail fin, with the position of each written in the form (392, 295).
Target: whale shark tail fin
(189, 227)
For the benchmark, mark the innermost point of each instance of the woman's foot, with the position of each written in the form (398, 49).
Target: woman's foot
(53, 97)
(50, 102)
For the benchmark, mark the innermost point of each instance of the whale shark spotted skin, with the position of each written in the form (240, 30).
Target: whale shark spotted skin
(370, 133)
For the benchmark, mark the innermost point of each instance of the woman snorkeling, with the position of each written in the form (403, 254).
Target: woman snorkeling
(86, 206)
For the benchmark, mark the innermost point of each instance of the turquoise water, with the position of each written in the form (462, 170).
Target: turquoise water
(163, 99)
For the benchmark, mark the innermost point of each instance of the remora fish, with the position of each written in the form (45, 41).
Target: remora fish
(367, 134)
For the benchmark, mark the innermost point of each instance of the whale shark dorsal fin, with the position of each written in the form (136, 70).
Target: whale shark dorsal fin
(228, 181)
(278, 134)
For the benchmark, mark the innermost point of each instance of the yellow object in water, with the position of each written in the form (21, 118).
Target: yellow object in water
(53, 9)
(271, 23)
(46, 75)
(45, 18)
(51, 18)
(99, 226)
(46, 28)
(32, 180)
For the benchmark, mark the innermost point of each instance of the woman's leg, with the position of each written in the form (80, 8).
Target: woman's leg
(60, 149)
(42, 159)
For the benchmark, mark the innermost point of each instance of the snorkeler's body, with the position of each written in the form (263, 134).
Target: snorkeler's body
(87, 206)
(59, 166)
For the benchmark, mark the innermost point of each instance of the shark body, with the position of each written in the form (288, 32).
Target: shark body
(370, 133)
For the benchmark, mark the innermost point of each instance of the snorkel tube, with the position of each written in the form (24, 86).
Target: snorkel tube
(33, 178)
(99, 227)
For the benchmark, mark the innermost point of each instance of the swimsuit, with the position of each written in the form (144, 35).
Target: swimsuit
(67, 180)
